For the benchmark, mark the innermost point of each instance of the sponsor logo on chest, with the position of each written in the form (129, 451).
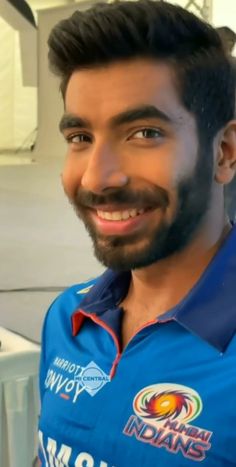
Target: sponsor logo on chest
(68, 380)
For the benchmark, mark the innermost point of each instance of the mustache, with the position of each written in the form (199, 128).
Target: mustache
(157, 197)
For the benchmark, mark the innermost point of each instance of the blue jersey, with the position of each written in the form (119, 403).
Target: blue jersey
(168, 400)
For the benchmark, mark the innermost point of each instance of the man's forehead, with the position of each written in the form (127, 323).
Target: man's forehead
(112, 89)
(129, 77)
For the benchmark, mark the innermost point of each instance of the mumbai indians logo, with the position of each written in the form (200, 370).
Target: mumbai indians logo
(163, 412)
(158, 403)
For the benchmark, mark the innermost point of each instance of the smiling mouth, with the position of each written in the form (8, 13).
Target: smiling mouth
(123, 215)
(124, 222)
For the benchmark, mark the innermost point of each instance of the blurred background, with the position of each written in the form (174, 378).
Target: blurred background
(43, 247)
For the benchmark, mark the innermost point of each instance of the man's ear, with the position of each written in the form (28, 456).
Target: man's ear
(226, 154)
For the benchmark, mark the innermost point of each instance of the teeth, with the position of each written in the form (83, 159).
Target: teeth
(133, 213)
(141, 211)
(116, 216)
(125, 215)
(119, 215)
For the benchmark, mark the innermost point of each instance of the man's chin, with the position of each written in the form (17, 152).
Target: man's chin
(129, 251)
(120, 257)
(115, 261)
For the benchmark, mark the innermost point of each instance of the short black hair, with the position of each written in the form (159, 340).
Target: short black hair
(125, 30)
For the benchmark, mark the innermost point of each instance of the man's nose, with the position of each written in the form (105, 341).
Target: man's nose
(103, 171)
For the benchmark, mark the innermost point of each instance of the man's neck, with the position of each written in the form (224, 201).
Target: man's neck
(161, 286)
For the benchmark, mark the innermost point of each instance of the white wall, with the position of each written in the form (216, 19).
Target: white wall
(25, 102)
(18, 116)
(224, 13)
(7, 58)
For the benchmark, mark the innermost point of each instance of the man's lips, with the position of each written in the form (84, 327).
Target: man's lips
(121, 226)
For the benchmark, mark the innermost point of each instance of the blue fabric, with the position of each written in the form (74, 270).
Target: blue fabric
(168, 400)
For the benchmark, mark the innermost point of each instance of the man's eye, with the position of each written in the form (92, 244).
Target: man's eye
(148, 133)
(78, 138)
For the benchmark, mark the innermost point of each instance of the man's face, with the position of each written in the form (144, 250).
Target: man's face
(134, 171)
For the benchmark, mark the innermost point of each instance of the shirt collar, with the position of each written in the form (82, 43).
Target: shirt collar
(208, 310)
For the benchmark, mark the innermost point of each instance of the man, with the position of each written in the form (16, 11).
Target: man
(138, 365)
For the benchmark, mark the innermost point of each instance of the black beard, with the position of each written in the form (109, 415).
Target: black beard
(119, 252)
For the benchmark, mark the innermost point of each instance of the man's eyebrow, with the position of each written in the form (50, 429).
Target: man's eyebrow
(69, 120)
(140, 113)
(143, 112)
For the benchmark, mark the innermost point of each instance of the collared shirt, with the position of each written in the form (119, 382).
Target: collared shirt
(168, 399)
